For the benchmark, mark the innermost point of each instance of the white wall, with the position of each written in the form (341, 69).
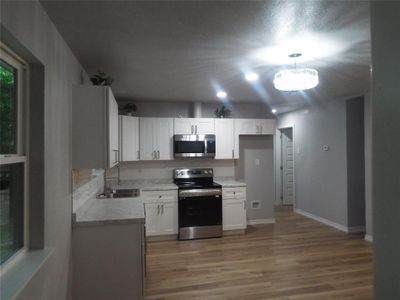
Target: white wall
(28, 23)
(320, 176)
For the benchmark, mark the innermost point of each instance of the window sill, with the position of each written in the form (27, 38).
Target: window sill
(17, 277)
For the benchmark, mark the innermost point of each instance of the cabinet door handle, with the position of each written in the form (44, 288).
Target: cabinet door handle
(162, 209)
(233, 153)
(191, 127)
(196, 129)
(158, 154)
(153, 154)
(158, 209)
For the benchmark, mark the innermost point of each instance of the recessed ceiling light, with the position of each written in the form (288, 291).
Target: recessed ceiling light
(251, 76)
(273, 111)
(222, 94)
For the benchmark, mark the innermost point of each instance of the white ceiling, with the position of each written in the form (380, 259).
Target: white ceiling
(185, 50)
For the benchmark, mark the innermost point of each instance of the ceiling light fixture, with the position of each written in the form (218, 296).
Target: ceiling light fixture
(273, 111)
(251, 76)
(296, 79)
(222, 94)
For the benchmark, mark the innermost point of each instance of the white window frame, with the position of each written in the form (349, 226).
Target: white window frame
(20, 156)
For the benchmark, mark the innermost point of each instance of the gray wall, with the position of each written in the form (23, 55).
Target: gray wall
(385, 42)
(28, 23)
(185, 109)
(355, 162)
(320, 176)
(259, 178)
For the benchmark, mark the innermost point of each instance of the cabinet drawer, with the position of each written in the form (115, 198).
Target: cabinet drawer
(234, 193)
(156, 196)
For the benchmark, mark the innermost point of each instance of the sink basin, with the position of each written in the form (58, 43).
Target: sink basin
(120, 193)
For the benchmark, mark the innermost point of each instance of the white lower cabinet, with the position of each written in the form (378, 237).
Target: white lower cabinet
(161, 209)
(234, 215)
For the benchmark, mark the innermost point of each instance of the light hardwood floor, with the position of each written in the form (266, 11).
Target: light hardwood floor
(296, 258)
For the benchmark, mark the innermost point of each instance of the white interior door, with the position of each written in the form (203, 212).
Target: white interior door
(287, 164)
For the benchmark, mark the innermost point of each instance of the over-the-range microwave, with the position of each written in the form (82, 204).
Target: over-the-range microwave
(194, 145)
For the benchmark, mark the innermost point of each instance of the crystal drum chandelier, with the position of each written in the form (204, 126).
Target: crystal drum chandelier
(296, 79)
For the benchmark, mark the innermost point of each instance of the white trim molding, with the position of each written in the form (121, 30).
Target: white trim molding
(369, 238)
(261, 221)
(354, 229)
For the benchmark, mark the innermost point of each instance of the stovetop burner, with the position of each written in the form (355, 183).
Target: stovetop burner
(196, 185)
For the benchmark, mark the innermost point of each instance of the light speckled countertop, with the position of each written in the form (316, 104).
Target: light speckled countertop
(110, 211)
(229, 182)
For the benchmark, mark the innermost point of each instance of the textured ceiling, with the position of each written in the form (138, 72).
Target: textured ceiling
(185, 50)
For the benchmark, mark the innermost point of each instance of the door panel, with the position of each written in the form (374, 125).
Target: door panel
(183, 126)
(162, 140)
(146, 139)
(204, 126)
(234, 214)
(129, 135)
(224, 139)
(169, 218)
(152, 211)
(287, 167)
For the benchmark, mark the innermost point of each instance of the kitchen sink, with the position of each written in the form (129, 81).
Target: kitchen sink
(120, 193)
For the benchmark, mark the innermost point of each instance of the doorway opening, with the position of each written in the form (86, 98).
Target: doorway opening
(285, 173)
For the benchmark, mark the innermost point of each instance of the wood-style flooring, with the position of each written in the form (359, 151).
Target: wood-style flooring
(295, 258)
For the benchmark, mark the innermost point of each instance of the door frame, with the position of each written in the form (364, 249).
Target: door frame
(278, 158)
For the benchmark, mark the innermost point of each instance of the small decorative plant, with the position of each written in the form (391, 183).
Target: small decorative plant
(101, 78)
(129, 109)
(222, 112)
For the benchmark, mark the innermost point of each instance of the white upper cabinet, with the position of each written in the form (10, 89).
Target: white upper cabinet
(194, 126)
(156, 138)
(162, 138)
(129, 138)
(254, 126)
(94, 127)
(224, 135)
(265, 126)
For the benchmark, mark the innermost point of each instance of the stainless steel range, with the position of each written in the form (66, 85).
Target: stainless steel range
(199, 204)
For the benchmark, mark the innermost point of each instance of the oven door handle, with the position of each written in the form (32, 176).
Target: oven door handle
(200, 193)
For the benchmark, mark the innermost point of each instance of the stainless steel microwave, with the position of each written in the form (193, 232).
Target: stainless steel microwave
(194, 145)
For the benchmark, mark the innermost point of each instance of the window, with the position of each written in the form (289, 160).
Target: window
(12, 157)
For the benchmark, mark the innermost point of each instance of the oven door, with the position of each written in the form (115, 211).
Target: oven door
(190, 145)
(200, 216)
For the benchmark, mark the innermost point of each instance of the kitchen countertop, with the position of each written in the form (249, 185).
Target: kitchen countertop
(230, 182)
(110, 211)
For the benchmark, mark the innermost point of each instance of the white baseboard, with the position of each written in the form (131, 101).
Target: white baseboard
(369, 238)
(260, 221)
(329, 223)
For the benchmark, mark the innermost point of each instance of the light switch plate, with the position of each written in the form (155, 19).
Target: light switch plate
(257, 161)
